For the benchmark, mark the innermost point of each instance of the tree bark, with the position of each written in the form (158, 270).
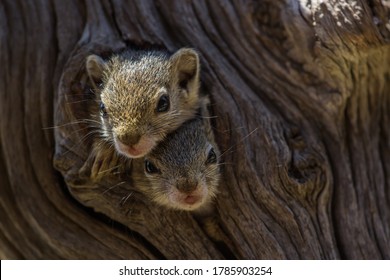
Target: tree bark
(301, 95)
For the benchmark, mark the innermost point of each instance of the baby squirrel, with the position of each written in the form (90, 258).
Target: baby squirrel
(182, 172)
(144, 96)
(151, 107)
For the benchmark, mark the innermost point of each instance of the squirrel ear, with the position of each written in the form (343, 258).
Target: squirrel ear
(185, 64)
(95, 66)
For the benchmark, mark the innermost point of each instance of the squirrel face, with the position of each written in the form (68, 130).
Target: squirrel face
(144, 96)
(183, 171)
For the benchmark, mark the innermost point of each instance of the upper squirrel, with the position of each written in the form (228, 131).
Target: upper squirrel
(144, 96)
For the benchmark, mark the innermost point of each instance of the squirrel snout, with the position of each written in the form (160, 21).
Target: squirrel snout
(186, 185)
(129, 139)
(133, 146)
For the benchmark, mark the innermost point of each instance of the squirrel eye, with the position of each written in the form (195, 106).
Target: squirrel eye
(163, 104)
(103, 110)
(211, 157)
(150, 167)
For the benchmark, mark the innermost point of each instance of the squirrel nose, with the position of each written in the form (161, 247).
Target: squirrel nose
(129, 139)
(187, 185)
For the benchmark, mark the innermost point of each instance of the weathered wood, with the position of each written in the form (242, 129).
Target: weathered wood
(301, 95)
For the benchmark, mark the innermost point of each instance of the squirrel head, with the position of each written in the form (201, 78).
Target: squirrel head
(183, 171)
(144, 95)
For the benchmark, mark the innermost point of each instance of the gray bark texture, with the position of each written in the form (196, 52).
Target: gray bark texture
(301, 95)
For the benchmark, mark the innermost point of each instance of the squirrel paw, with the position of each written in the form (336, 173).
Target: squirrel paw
(101, 164)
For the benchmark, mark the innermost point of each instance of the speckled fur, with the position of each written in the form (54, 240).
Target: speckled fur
(133, 82)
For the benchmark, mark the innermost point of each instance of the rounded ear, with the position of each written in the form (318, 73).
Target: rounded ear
(95, 67)
(185, 69)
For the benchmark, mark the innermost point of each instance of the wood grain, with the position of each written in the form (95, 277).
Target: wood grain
(301, 95)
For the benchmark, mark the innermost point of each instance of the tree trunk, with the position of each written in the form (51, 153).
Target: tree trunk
(301, 91)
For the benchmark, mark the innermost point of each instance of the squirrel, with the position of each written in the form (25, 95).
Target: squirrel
(144, 95)
(182, 172)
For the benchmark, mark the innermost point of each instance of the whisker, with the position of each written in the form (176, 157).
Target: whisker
(210, 117)
(109, 169)
(125, 198)
(242, 140)
(225, 163)
(83, 121)
(228, 130)
(79, 101)
(114, 186)
(84, 138)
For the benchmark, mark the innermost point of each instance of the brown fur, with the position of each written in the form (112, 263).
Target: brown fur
(132, 83)
(183, 168)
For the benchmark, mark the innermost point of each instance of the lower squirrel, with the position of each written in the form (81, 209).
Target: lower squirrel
(182, 172)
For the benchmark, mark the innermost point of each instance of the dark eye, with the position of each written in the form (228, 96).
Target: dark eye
(211, 157)
(150, 167)
(103, 110)
(163, 104)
